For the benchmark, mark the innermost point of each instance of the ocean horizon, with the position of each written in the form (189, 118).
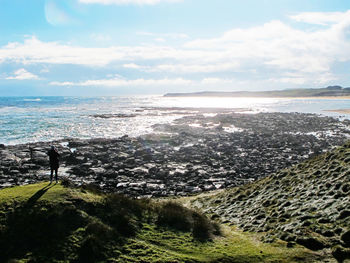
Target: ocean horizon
(31, 119)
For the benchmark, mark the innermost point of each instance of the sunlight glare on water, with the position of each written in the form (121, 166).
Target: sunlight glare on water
(26, 119)
(216, 102)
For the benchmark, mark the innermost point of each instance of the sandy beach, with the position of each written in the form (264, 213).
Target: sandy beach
(303, 98)
(321, 97)
(343, 111)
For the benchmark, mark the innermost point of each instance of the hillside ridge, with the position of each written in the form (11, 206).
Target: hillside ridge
(330, 91)
(307, 204)
(51, 223)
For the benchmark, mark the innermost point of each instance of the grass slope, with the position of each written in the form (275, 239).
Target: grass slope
(307, 204)
(52, 223)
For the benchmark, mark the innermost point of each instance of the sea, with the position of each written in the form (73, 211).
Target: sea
(32, 119)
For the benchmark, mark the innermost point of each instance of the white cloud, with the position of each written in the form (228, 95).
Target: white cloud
(132, 66)
(22, 74)
(183, 68)
(298, 81)
(279, 47)
(165, 82)
(45, 70)
(100, 37)
(285, 81)
(274, 51)
(217, 81)
(187, 68)
(118, 82)
(127, 2)
(160, 39)
(320, 18)
(35, 51)
(167, 35)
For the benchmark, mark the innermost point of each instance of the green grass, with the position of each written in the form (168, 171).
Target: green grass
(52, 223)
(44, 192)
(162, 245)
(54, 192)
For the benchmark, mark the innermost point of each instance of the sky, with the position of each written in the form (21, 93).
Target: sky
(121, 47)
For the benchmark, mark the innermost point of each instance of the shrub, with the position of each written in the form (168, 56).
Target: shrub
(217, 229)
(175, 216)
(122, 213)
(66, 182)
(91, 250)
(93, 188)
(123, 203)
(202, 227)
(123, 223)
(98, 229)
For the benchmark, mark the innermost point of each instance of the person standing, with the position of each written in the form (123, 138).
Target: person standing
(54, 161)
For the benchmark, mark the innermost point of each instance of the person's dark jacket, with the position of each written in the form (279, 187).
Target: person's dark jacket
(53, 157)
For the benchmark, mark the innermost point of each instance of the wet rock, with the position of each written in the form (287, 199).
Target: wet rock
(310, 243)
(324, 220)
(98, 171)
(287, 237)
(344, 214)
(340, 253)
(327, 233)
(188, 156)
(109, 116)
(72, 159)
(346, 238)
(345, 188)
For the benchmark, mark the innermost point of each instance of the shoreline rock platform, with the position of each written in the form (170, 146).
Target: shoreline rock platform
(196, 153)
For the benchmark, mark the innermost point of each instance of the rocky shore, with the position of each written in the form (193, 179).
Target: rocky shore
(196, 153)
(307, 204)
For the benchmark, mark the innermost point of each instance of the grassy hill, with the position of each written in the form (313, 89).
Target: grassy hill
(307, 204)
(54, 223)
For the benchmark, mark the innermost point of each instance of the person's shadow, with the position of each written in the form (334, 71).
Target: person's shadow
(32, 200)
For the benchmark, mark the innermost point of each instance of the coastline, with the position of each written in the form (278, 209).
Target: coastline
(317, 98)
(330, 91)
(100, 118)
(195, 154)
(269, 97)
(343, 111)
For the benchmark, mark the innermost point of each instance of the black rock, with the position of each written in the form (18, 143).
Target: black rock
(346, 238)
(340, 253)
(310, 243)
(344, 214)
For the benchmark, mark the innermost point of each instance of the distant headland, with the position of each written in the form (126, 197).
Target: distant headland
(330, 91)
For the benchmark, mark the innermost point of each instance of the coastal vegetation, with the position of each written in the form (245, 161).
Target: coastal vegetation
(330, 91)
(58, 223)
(307, 204)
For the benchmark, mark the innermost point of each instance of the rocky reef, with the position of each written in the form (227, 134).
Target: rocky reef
(196, 153)
(307, 204)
